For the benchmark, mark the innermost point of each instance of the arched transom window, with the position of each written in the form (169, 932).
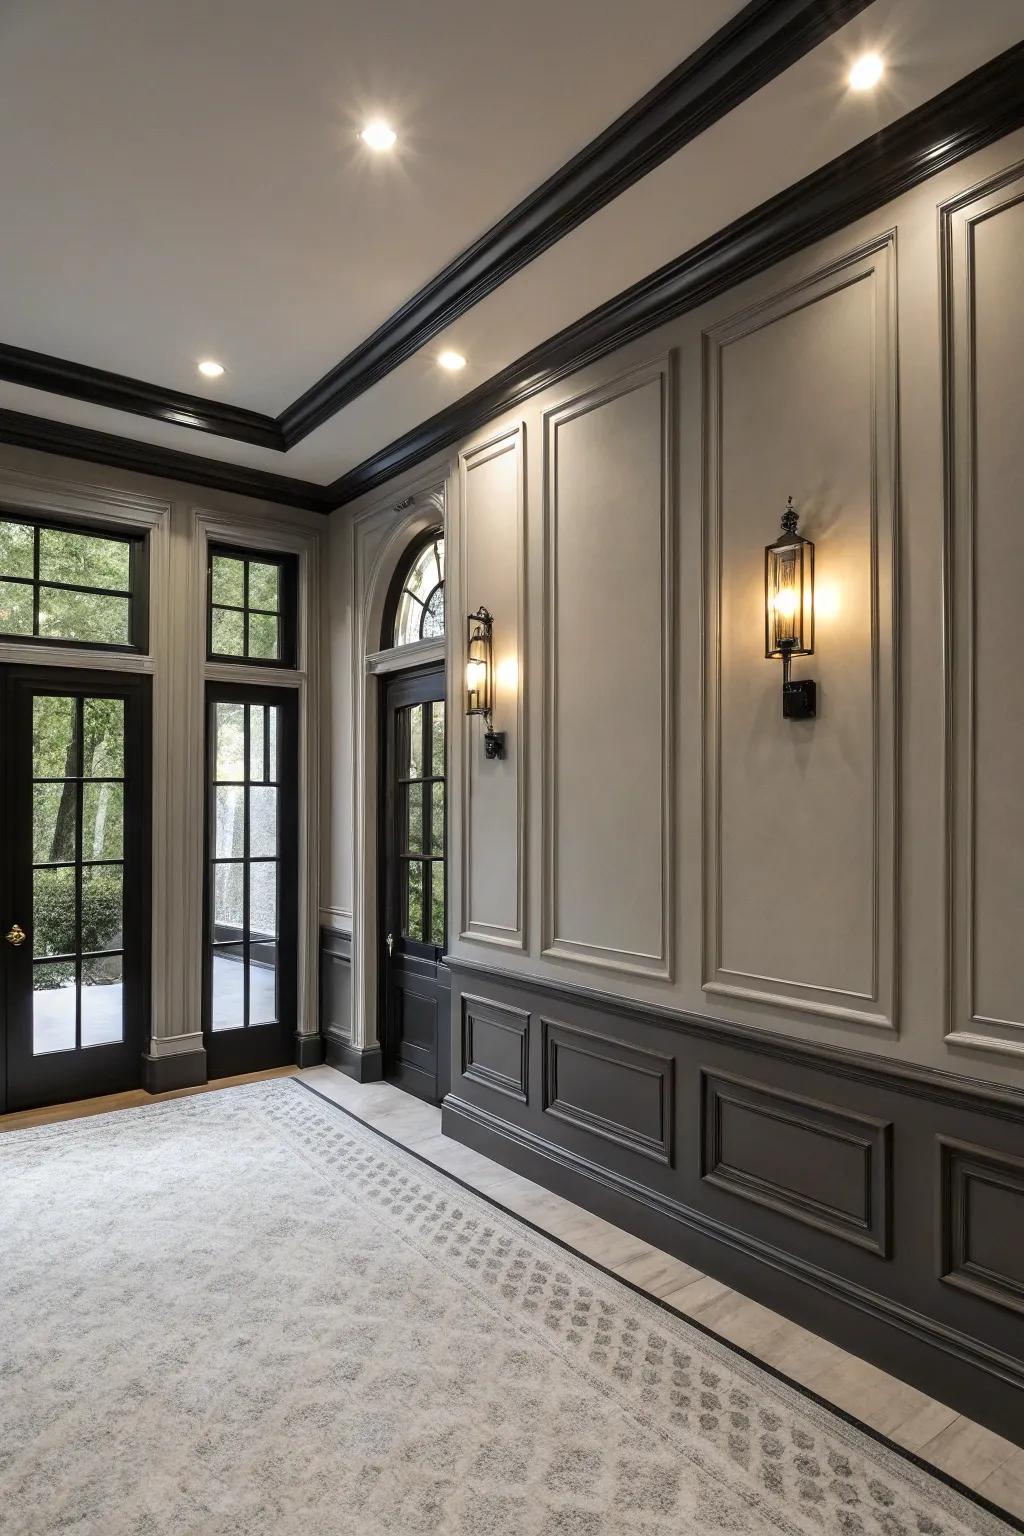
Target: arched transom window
(420, 611)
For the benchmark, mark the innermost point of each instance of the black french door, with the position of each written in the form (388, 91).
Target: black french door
(251, 886)
(415, 987)
(74, 884)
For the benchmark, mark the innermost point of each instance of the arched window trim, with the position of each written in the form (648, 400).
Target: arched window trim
(399, 587)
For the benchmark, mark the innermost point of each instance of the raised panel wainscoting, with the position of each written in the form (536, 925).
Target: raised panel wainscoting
(880, 1205)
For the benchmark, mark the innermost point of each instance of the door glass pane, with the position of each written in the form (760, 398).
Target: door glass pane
(437, 818)
(262, 822)
(17, 548)
(437, 923)
(272, 735)
(102, 1000)
(229, 833)
(415, 762)
(230, 742)
(263, 901)
(54, 736)
(54, 912)
(103, 732)
(437, 740)
(413, 901)
(54, 822)
(257, 727)
(228, 1003)
(263, 984)
(102, 821)
(54, 996)
(414, 818)
(228, 915)
(102, 907)
(15, 608)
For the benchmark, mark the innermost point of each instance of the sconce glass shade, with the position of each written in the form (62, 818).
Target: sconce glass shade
(479, 667)
(789, 591)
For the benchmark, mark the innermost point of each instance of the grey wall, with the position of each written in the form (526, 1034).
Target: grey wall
(657, 830)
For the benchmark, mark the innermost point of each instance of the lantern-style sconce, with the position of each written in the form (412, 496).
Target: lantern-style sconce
(789, 612)
(480, 678)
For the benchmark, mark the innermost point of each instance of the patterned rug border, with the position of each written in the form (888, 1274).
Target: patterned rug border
(965, 1492)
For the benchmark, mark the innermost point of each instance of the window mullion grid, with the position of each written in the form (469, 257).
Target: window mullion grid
(245, 635)
(425, 906)
(35, 582)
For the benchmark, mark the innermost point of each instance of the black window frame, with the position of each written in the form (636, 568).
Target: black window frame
(287, 612)
(136, 593)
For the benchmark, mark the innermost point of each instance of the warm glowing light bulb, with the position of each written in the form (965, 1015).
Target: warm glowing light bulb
(453, 361)
(209, 369)
(378, 136)
(476, 672)
(784, 603)
(867, 72)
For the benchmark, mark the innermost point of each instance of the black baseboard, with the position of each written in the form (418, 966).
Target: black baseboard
(163, 1074)
(843, 1191)
(363, 1063)
(309, 1050)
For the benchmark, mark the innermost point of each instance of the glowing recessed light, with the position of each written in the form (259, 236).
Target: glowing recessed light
(209, 369)
(378, 136)
(867, 72)
(453, 361)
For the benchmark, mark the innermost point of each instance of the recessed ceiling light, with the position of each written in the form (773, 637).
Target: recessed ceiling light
(453, 361)
(867, 72)
(209, 369)
(378, 135)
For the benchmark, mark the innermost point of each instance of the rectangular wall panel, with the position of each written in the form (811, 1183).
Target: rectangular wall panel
(609, 1089)
(493, 553)
(608, 632)
(816, 1163)
(495, 1046)
(800, 816)
(983, 257)
(981, 1211)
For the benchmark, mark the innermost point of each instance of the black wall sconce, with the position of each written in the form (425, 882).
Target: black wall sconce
(480, 678)
(789, 612)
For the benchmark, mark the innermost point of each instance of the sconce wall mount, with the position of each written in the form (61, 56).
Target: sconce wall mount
(480, 678)
(789, 612)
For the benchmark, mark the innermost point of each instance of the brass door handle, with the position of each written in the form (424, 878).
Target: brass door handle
(16, 935)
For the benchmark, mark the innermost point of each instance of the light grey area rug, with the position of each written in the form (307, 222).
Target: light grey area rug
(245, 1312)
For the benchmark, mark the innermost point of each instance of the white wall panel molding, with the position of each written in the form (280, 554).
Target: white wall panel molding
(491, 540)
(982, 256)
(800, 819)
(379, 538)
(607, 645)
(281, 536)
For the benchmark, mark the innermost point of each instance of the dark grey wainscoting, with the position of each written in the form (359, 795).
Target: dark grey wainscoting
(166, 1074)
(361, 1062)
(879, 1205)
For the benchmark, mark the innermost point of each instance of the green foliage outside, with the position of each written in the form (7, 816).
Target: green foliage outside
(76, 559)
(58, 754)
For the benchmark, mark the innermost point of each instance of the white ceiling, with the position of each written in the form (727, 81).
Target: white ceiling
(182, 180)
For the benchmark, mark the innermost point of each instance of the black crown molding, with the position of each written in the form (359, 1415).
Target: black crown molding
(977, 110)
(56, 376)
(765, 38)
(759, 43)
(26, 431)
(974, 112)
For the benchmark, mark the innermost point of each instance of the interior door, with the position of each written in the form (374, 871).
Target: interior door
(252, 830)
(75, 884)
(415, 985)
